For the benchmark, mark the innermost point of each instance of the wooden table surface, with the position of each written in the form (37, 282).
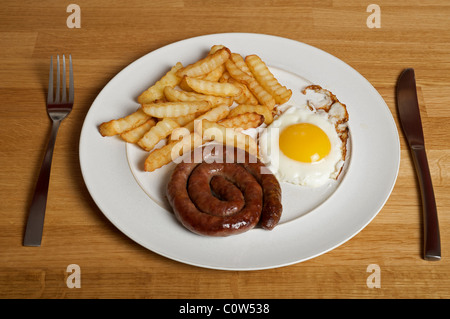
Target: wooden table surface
(112, 34)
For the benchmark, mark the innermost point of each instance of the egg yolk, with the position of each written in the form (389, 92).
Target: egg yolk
(304, 142)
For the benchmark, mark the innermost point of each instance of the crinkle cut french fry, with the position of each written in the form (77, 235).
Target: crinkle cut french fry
(243, 121)
(225, 76)
(216, 48)
(260, 109)
(158, 158)
(246, 97)
(262, 95)
(170, 152)
(215, 74)
(184, 86)
(206, 65)
(158, 132)
(240, 63)
(213, 88)
(174, 95)
(155, 92)
(213, 115)
(135, 134)
(268, 81)
(123, 124)
(179, 133)
(228, 136)
(175, 109)
(183, 120)
(185, 145)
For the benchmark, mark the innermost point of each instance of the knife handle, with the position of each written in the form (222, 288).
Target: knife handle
(432, 243)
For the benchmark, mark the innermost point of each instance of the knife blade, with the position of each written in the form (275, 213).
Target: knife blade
(409, 116)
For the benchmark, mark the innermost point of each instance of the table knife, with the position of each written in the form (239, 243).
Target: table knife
(409, 115)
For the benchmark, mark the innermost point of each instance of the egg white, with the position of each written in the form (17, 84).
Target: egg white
(291, 171)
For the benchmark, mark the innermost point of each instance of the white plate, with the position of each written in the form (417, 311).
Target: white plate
(313, 222)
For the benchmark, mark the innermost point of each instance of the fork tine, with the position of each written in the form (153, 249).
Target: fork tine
(57, 79)
(71, 87)
(63, 99)
(50, 83)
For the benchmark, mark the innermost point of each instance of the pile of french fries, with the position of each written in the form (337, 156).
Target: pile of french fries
(213, 99)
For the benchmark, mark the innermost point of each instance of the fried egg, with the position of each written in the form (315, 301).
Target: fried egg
(305, 145)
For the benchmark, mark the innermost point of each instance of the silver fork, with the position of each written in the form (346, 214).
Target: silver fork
(57, 109)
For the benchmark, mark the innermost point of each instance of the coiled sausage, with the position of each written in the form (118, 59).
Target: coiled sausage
(220, 198)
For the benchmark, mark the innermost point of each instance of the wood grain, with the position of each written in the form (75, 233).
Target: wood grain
(113, 34)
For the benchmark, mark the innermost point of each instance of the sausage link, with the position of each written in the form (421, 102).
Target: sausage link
(224, 199)
(272, 207)
(221, 199)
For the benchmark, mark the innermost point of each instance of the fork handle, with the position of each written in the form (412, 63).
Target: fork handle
(35, 223)
(432, 243)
